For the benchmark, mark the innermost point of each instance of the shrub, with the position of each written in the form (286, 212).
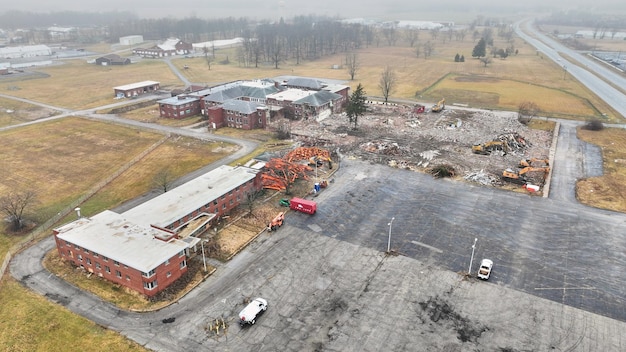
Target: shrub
(443, 170)
(594, 125)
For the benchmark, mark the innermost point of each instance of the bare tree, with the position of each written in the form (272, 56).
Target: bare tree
(207, 57)
(387, 82)
(352, 64)
(412, 35)
(250, 198)
(163, 180)
(13, 206)
(418, 49)
(526, 111)
(485, 60)
(429, 47)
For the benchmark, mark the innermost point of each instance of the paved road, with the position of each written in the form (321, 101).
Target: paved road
(586, 72)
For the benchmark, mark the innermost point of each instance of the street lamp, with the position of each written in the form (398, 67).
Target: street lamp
(203, 257)
(389, 240)
(469, 271)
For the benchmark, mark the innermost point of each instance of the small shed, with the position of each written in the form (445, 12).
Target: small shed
(112, 59)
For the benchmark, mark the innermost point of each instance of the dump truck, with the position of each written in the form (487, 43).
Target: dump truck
(303, 205)
(276, 222)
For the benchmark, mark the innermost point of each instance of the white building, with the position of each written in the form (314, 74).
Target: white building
(131, 40)
(16, 52)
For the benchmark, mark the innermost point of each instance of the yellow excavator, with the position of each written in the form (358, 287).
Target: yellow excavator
(520, 176)
(488, 147)
(534, 162)
(439, 106)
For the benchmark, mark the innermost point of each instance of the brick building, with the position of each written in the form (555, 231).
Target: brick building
(242, 114)
(179, 107)
(146, 248)
(135, 89)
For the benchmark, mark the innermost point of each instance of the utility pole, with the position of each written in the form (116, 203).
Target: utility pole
(469, 271)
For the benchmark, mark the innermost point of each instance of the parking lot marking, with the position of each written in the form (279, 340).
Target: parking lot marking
(427, 246)
(565, 288)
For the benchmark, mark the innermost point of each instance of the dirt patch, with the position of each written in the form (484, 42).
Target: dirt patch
(440, 312)
(397, 136)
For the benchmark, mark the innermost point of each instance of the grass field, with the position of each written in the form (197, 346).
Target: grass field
(606, 191)
(31, 323)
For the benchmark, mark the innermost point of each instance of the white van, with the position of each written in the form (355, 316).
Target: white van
(252, 311)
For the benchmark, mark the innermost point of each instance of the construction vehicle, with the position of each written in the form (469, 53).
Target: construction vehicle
(520, 176)
(439, 106)
(418, 109)
(488, 147)
(533, 162)
(318, 160)
(276, 222)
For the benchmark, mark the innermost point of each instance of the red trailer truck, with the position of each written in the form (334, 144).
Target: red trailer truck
(303, 205)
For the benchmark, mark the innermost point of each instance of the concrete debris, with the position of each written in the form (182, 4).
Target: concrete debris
(483, 178)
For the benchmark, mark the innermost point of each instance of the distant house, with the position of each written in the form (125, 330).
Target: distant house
(112, 59)
(170, 47)
(16, 52)
(135, 89)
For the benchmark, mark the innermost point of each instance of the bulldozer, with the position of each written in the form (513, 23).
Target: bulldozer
(533, 162)
(439, 106)
(276, 222)
(488, 147)
(521, 175)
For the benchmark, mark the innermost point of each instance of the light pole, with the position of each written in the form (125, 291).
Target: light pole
(469, 271)
(203, 257)
(389, 240)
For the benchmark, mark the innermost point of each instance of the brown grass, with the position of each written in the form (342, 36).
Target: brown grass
(78, 85)
(606, 191)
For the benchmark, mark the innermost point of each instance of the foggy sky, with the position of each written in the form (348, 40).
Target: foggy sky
(274, 9)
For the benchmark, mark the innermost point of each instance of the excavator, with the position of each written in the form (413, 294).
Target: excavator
(533, 162)
(488, 147)
(439, 106)
(520, 176)
(319, 161)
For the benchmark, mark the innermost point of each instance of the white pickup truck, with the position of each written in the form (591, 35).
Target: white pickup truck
(252, 311)
(485, 269)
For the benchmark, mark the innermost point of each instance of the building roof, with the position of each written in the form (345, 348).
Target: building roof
(258, 89)
(177, 100)
(174, 204)
(169, 44)
(242, 106)
(114, 58)
(320, 98)
(136, 85)
(112, 235)
(304, 82)
(291, 94)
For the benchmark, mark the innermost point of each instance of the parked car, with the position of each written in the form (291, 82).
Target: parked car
(252, 311)
(485, 269)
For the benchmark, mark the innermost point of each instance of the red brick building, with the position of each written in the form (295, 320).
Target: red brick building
(146, 248)
(135, 89)
(238, 114)
(179, 107)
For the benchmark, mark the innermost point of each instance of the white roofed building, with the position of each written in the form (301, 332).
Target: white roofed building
(170, 47)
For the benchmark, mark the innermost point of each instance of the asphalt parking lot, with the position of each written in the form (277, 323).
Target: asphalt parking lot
(557, 282)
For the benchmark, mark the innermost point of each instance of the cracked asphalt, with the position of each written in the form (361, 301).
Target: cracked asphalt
(557, 282)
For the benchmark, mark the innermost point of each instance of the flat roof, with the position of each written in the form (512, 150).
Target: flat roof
(291, 94)
(136, 85)
(176, 203)
(177, 100)
(112, 235)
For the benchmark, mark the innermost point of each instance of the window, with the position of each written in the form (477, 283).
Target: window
(95, 255)
(148, 274)
(116, 263)
(118, 273)
(76, 246)
(88, 261)
(215, 202)
(183, 264)
(181, 253)
(231, 202)
(127, 277)
(86, 251)
(107, 269)
(80, 257)
(224, 206)
(69, 252)
(169, 273)
(167, 262)
(97, 265)
(150, 285)
(68, 244)
(105, 258)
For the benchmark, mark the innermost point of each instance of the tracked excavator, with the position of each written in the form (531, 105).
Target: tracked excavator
(488, 147)
(534, 162)
(521, 175)
(439, 106)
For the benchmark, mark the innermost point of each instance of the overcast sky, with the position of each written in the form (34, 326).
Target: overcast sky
(273, 9)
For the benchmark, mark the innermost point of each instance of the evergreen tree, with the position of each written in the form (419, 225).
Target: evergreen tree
(480, 50)
(356, 105)
(462, 59)
(457, 58)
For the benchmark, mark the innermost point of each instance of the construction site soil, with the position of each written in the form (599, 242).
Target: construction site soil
(397, 136)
